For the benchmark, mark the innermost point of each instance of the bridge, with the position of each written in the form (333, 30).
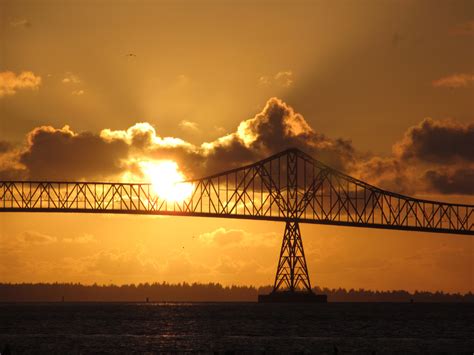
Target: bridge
(291, 187)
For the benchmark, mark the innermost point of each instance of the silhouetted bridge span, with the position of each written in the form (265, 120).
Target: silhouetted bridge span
(289, 186)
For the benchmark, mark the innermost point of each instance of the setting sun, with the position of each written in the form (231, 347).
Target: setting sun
(167, 180)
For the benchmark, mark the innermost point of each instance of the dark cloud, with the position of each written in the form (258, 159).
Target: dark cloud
(433, 156)
(12, 174)
(461, 181)
(387, 173)
(440, 142)
(274, 129)
(62, 154)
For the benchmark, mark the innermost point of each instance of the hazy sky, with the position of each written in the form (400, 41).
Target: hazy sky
(386, 89)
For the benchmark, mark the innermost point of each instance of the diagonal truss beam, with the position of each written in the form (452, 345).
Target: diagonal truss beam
(286, 186)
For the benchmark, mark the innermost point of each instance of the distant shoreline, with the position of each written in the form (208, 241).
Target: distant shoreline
(199, 293)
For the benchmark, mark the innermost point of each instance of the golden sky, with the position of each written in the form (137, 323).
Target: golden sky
(94, 90)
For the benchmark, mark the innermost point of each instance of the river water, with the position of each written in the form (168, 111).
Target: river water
(91, 328)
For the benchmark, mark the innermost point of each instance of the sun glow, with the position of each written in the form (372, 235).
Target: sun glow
(167, 180)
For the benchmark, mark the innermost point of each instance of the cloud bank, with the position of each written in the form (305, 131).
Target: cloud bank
(432, 157)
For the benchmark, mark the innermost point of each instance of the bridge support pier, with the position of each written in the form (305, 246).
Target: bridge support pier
(292, 282)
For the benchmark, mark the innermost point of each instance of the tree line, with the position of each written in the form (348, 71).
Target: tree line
(198, 292)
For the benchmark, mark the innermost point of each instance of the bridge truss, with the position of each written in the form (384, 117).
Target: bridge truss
(291, 187)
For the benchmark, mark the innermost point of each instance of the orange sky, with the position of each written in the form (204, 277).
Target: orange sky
(380, 89)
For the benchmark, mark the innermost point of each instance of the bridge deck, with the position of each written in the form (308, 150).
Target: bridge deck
(287, 186)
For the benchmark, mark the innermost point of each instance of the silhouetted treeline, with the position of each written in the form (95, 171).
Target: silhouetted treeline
(196, 292)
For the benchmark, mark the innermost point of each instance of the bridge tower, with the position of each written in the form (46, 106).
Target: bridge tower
(292, 272)
(292, 283)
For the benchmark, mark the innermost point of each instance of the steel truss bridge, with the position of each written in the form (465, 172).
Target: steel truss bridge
(290, 187)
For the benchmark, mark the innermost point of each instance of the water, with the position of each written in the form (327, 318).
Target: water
(75, 328)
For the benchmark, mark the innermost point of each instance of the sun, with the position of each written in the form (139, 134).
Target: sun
(167, 180)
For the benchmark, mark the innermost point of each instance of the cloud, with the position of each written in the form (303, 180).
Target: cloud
(459, 181)
(272, 130)
(63, 154)
(434, 156)
(71, 78)
(454, 81)
(386, 172)
(282, 79)
(10, 168)
(141, 135)
(222, 237)
(10, 83)
(463, 29)
(431, 156)
(444, 141)
(188, 125)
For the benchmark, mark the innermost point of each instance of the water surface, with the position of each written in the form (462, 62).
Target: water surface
(76, 328)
